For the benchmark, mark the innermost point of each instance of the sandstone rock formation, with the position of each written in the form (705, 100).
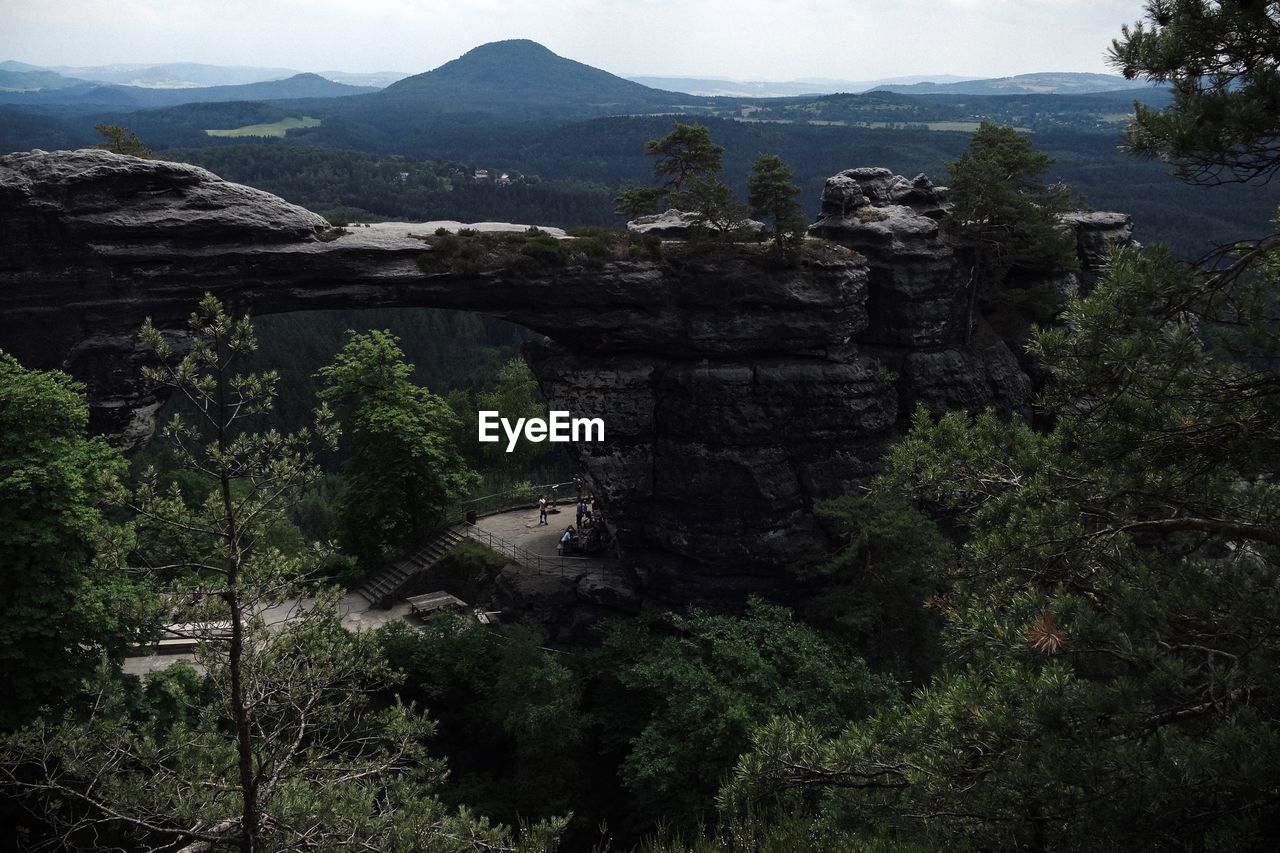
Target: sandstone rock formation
(734, 394)
(678, 224)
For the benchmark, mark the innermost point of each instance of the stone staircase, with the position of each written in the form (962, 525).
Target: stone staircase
(386, 583)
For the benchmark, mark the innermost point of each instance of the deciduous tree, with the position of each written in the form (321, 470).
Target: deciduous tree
(60, 613)
(404, 468)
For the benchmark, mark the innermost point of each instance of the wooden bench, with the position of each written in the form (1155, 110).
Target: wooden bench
(432, 601)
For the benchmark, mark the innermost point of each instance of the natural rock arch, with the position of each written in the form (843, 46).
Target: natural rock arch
(734, 394)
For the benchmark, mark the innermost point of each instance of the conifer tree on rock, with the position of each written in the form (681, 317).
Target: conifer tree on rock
(771, 195)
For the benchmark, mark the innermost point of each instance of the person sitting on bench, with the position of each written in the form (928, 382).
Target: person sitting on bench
(568, 540)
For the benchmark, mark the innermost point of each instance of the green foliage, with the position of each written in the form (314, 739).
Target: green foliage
(694, 687)
(405, 469)
(515, 395)
(1112, 616)
(1113, 611)
(371, 185)
(543, 249)
(582, 165)
(882, 585)
(771, 195)
(459, 253)
(688, 165)
(278, 747)
(719, 208)
(1005, 214)
(59, 612)
(1003, 208)
(507, 710)
(685, 153)
(1223, 62)
(121, 140)
(449, 349)
(633, 202)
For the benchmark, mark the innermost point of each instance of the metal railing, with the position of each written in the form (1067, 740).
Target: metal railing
(527, 558)
(522, 497)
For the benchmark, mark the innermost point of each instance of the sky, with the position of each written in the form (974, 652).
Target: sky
(742, 39)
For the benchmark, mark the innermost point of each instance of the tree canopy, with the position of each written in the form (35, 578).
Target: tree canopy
(1110, 617)
(771, 195)
(404, 468)
(1222, 60)
(1004, 214)
(60, 612)
(683, 154)
(121, 140)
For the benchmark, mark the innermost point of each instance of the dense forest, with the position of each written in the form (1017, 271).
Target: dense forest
(1046, 633)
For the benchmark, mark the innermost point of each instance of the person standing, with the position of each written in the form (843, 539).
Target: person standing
(542, 509)
(582, 510)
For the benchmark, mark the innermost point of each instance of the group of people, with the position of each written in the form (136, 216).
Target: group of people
(589, 535)
(589, 538)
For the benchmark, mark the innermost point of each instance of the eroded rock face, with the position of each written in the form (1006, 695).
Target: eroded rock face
(735, 394)
(1096, 232)
(912, 271)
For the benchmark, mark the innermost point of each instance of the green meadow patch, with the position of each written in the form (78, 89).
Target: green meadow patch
(276, 128)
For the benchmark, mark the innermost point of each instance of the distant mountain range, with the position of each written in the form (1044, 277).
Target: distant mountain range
(515, 72)
(193, 75)
(511, 83)
(729, 88)
(48, 87)
(1042, 83)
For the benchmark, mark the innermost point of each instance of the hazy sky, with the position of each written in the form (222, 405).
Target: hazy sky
(746, 39)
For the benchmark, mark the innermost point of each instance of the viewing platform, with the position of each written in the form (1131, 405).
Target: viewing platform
(513, 532)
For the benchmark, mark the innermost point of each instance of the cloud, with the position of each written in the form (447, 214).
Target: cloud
(752, 39)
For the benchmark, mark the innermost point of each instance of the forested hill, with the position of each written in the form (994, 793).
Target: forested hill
(522, 77)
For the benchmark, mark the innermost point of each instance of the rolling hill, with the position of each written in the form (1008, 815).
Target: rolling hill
(38, 88)
(1042, 83)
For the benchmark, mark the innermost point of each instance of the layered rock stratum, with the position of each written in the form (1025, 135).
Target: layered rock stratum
(735, 393)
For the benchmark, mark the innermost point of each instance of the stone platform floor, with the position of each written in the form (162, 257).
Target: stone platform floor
(356, 614)
(519, 527)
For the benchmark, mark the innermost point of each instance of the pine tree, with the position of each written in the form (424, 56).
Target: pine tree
(771, 195)
(1222, 60)
(1004, 214)
(121, 140)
